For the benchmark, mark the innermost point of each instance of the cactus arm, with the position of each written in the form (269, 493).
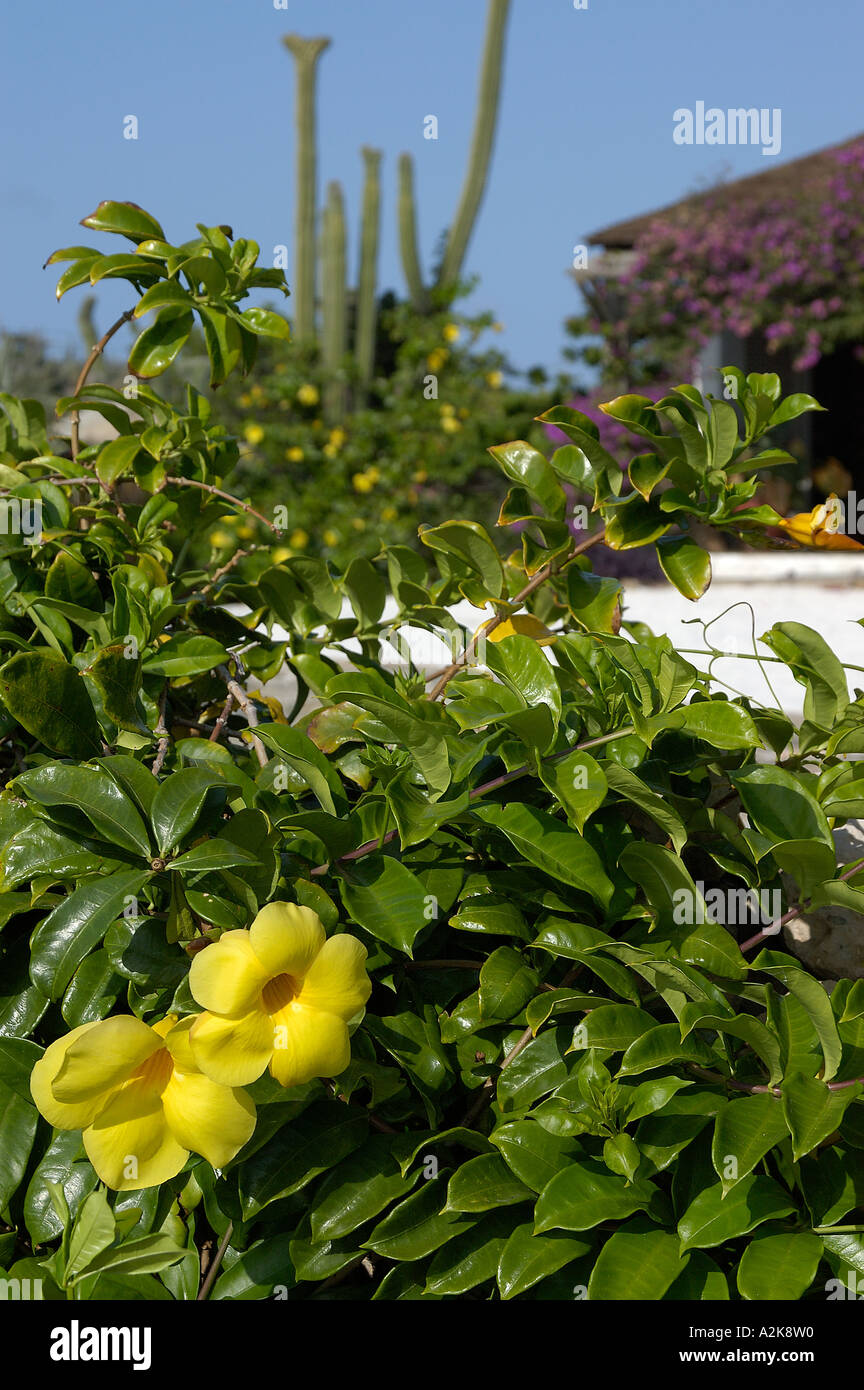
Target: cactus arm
(306, 53)
(408, 235)
(481, 144)
(367, 276)
(334, 328)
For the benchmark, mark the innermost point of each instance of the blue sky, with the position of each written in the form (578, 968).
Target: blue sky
(585, 136)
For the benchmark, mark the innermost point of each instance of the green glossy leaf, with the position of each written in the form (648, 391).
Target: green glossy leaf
(584, 1194)
(156, 348)
(483, 1183)
(638, 1262)
(713, 1219)
(49, 699)
(551, 846)
(779, 1266)
(685, 564)
(812, 1111)
(527, 1258)
(746, 1129)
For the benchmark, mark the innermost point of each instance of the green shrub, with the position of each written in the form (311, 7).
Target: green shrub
(569, 1077)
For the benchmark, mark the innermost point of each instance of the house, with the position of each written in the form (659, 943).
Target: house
(836, 379)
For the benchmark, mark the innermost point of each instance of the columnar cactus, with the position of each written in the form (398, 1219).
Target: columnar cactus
(306, 53)
(334, 322)
(364, 339)
(481, 144)
(408, 235)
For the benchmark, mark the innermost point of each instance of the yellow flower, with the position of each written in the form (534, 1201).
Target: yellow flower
(420, 476)
(245, 533)
(450, 425)
(436, 359)
(447, 408)
(497, 328)
(359, 523)
(389, 514)
(141, 1100)
(452, 332)
(494, 379)
(220, 539)
(820, 527)
(282, 552)
(331, 538)
(299, 539)
(362, 482)
(245, 400)
(294, 455)
(279, 995)
(308, 395)
(254, 434)
(522, 625)
(337, 438)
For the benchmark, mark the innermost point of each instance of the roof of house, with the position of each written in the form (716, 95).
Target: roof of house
(778, 180)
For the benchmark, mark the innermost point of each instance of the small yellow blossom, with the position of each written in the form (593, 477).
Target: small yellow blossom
(140, 1099)
(308, 395)
(245, 533)
(447, 408)
(280, 995)
(820, 527)
(420, 476)
(358, 523)
(521, 625)
(220, 539)
(436, 359)
(337, 438)
(497, 328)
(299, 539)
(389, 514)
(294, 454)
(450, 425)
(281, 552)
(330, 537)
(362, 483)
(245, 400)
(452, 332)
(254, 434)
(494, 379)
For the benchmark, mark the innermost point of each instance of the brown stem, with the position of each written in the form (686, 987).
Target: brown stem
(773, 928)
(217, 492)
(213, 1268)
(162, 734)
(485, 787)
(247, 709)
(222, 720)
(539, 578)
(95, 352)
(490, 1083)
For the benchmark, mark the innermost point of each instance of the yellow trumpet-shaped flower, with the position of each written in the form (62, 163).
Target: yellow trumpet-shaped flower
(140, 1099)
(522, 625)
(820, 527)
(280, 995)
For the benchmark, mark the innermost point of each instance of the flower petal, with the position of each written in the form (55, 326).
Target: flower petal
(227, 976)
(130, 1144)
(212, 1120)
(60, 1114)
(232, 1051)
(308, 1044)
(337, 983)
(286, 939)
(103, 1058)
(178, 1044)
